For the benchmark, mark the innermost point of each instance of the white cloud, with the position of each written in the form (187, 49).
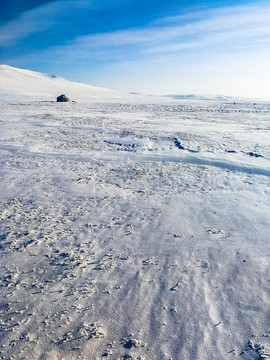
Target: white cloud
(48, 16)
(223, 30)
(21, 27)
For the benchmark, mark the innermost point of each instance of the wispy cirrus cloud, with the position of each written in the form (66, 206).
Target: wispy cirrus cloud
(29, 22)
(234, 28)
(17, 29)
(56, 16)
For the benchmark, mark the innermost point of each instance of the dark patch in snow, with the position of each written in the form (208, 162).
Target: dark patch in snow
(254, 154)
(120, 144)
(178, 144)
(131, 343)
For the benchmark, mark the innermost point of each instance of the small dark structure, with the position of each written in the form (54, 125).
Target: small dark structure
(63, 98)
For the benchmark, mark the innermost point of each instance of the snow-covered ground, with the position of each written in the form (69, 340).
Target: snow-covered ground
(131, 227)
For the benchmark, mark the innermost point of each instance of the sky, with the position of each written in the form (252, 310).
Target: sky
(148, 46)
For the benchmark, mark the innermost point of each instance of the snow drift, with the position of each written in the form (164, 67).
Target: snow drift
(131, 227)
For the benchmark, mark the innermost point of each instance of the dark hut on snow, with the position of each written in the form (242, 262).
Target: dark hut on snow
(63, 98)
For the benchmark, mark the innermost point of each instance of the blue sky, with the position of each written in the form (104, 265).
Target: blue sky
(148, 46)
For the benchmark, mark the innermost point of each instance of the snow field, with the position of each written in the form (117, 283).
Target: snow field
(134, 229)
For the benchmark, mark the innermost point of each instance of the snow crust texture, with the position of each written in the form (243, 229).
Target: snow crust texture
(134, 228)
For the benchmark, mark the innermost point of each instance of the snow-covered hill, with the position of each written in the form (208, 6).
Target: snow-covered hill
(21, 84)
(25, 84)
(131, 227)
(209, 97)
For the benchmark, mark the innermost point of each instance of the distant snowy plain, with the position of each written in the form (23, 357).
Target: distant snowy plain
(132, 227)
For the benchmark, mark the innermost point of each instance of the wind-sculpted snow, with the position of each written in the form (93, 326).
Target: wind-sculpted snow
(134, 230)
